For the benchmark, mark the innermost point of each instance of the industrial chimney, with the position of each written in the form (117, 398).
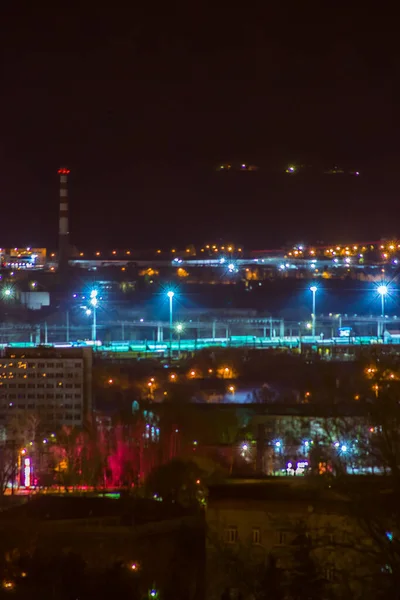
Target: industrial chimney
(63, 230)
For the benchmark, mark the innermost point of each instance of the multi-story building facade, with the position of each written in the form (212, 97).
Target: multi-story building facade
(250, 522)
(52, 384)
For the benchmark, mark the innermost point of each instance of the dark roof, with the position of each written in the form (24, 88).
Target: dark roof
(300, 489)
(64, 507)
(350, 409)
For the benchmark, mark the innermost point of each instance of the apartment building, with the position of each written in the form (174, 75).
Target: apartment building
(52, 384)
(250, 521)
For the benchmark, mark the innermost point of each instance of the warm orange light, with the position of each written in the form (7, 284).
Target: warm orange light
(110, 381)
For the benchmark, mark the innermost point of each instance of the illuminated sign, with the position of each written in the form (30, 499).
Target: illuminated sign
(27, 472)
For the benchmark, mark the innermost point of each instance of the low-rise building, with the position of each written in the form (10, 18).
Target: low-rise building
(251, 522)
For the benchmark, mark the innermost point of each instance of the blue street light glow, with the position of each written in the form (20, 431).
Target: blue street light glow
(383, 290)
(170, 294)
(278, 444)
(344, 448)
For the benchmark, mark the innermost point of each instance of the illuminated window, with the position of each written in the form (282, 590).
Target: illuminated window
(231, 535)
(282, 538)
(256, 536)
(330, 573)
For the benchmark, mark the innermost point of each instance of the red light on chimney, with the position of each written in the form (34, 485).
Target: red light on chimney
(64, 171)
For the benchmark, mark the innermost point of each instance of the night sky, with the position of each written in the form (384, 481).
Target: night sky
(143, 103)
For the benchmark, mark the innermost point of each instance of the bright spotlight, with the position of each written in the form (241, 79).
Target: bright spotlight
(313, 289)
(383, 290)
(170, 294)
(179, 327)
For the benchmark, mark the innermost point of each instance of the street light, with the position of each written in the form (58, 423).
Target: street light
(94, 303)
(383, 290)
(313, 289)
(7, 292)
(179, 328)
(170, 295)
(92, 310)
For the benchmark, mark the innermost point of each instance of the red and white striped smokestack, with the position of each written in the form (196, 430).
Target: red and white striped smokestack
(63, 230)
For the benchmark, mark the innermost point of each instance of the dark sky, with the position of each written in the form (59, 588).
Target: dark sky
(142, 103)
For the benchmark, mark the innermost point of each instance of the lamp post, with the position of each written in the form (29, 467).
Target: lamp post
(92, 310)
(170, 295)
(94, 303)
(313, 289)
(382, 291)
(179, 329)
